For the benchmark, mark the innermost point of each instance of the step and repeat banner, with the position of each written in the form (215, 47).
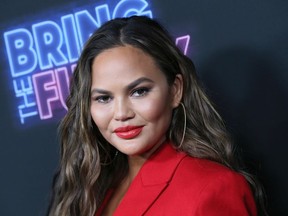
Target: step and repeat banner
(240, 50)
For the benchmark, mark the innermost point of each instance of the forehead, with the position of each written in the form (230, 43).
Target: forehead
(124, 63)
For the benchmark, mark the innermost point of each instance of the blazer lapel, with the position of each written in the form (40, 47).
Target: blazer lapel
(150, 182)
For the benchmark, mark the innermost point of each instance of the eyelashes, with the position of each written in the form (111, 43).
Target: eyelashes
(140, 92)
(136, 93)
(103, 99)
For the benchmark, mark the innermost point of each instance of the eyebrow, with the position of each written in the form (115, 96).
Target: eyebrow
(129, 87)
(138, 81)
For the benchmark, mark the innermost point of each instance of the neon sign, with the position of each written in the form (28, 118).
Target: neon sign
(43, 57)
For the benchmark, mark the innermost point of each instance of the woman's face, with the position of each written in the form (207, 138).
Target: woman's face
(131, 102)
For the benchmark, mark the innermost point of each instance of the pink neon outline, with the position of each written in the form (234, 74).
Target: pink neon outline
(73, 66)
(47, 86)
(186, 39)
(57, 71)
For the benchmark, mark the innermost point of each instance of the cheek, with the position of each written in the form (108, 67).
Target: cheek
(155, 109)
(100, 117)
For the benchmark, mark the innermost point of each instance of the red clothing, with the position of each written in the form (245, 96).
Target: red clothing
(171, 183)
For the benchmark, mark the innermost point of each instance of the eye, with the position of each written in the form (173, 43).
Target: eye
(103, 99)
(140, 92)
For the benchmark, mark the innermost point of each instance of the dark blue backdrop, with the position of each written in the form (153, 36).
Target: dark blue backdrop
(240, 50)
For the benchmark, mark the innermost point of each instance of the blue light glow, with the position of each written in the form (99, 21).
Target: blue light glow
(43, 56)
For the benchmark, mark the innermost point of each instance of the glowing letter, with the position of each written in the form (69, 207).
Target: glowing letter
(24, 90)
(183, 43)
(71, 39)
(86, 24)
(21, 55)
(46, 92)
(62, 77)
(48, 42)
(126, 8)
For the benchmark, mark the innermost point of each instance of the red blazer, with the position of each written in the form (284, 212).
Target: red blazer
(171, 183)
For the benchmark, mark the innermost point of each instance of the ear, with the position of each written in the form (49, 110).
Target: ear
(177, 90)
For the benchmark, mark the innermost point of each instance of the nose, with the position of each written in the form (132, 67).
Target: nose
(122, 110)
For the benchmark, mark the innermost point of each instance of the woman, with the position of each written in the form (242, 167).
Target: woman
(141, 137)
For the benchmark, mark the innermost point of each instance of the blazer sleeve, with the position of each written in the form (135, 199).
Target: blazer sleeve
(228, 194)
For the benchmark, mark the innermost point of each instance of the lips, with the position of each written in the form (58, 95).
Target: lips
(128, 132)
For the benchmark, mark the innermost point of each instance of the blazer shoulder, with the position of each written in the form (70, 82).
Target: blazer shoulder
(203, 172)
(173, 183)
(198, 166)
(217, 188)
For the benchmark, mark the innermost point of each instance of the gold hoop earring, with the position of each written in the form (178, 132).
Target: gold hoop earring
(185, 122)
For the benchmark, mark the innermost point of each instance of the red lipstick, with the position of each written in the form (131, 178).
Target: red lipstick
(128, 132)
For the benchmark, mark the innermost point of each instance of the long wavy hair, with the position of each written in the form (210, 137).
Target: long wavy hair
(88, 168)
